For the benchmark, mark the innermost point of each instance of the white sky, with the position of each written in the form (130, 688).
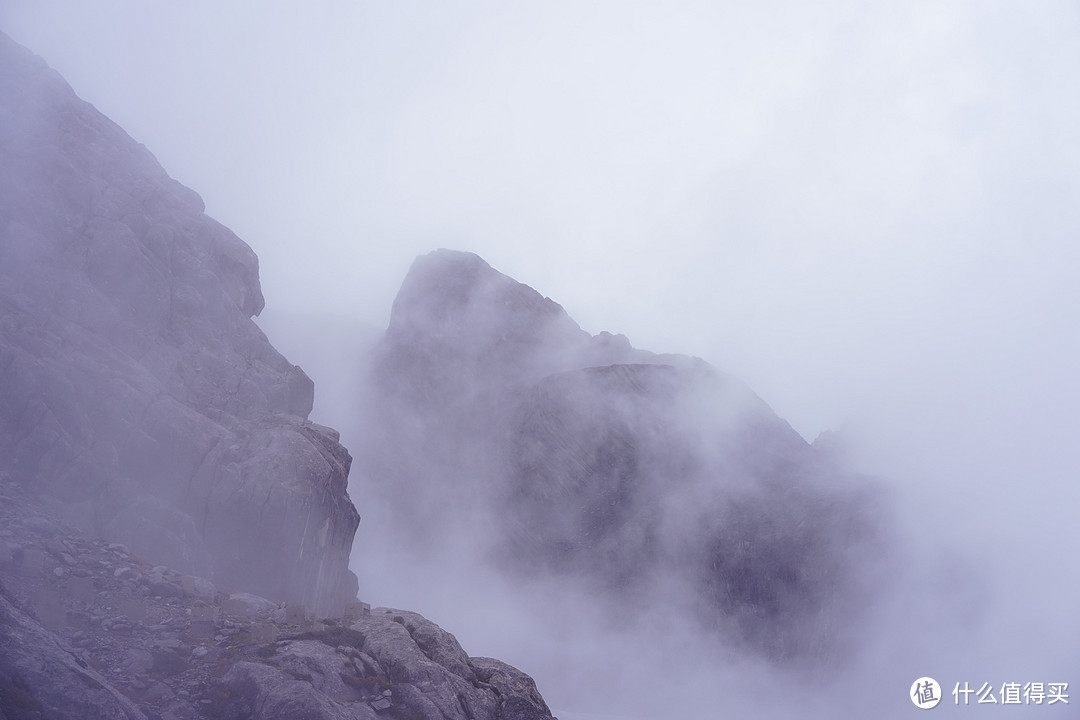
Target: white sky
(867, 211)
(810, 195)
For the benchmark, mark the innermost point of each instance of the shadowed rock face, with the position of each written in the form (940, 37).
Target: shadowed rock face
(135, 388)
(628, 472)
(90, 631)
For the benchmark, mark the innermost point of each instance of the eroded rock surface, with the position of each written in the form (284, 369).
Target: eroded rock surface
(89, 631)
(134, 385)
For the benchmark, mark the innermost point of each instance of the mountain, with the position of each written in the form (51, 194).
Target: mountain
(174, 532)
(134, 386)
(91, 631)
(649, 479)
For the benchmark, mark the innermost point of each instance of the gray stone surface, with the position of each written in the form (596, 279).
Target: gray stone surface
(134, 384)
(154, 447)
(390, 661)
(271, 694)
(231, 667)
(38, 674)
(248, 605)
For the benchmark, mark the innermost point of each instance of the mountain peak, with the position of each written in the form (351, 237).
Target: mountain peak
(453, 293)
(593, 462)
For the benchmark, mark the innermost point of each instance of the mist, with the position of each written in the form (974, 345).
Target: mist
(864, 213)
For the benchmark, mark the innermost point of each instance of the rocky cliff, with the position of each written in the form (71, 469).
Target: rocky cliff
(90, 631)
(135, 389)
(174, 532)
(651, 479)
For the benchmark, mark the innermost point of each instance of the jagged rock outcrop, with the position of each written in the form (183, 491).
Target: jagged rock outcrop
(464, 342)
(135, 389)
(611, 467)
(391, 662)
(90, 631)
(168, 516)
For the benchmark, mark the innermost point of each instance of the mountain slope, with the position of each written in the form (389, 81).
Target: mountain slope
(646, 479)
(169, 518)
(134, 386)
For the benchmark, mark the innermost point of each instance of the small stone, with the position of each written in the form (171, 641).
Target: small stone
(296, 615)
(204, 612)
(200, 652)
(159, 586)
(205, 589)
(255, 606)
(138, 661)
(263, 633)
(157, 691)
(355, 611)
(58, 571)
(200, 629)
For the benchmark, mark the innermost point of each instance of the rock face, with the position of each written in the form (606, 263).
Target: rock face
(90, 631)
(155, 453)
(135, 389)
(656, 479)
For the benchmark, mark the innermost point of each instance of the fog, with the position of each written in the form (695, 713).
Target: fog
(867, 213)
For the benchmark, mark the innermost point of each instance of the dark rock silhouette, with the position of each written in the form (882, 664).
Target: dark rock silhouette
(625, 471)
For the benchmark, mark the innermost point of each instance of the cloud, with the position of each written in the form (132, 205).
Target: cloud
(866, 212)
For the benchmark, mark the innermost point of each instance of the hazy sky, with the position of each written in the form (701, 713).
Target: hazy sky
(815, 196)
(867, 211)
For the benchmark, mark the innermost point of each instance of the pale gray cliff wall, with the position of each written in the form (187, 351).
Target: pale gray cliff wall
(134, 386)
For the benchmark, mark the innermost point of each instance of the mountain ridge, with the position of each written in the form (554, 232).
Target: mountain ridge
(591, 462)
